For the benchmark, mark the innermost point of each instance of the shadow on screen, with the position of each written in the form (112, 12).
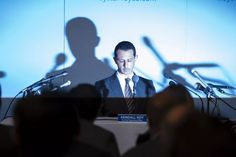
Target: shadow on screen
(169, 69)
(82, 39)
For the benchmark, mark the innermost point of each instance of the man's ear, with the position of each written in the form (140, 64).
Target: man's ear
(114, 58)
(136, 57)
(96, 41)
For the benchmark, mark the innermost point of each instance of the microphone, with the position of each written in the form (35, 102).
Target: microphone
(64, 73)
(220, 86)
(210, 95)
(199, 86)
(171, 83)
(135, 79)
(206, 90)
(43, 81)
(67, 83)
(196, 74)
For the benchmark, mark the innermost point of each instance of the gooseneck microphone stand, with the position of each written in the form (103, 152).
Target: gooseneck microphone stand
(210, 94)
(29, 90)
(219, 88)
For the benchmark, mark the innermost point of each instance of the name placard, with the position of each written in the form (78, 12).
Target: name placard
(132, 117)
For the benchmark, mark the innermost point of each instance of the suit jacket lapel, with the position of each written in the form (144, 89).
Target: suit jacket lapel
(115, 87)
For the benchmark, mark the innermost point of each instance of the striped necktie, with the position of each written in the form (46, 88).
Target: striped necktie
(129, 97)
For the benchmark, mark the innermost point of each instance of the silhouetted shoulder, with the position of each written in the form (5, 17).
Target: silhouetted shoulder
(7, 143)
(148, 149)
(98, 137)
(81, 149)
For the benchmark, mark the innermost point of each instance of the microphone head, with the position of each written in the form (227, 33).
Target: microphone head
(64, 73)
(196, 74)
(167, 76)
(67, 83)
(171, 83)
(198, 86)
(135, 79)
(193, 71)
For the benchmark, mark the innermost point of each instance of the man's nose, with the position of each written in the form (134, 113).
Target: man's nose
(125, 64)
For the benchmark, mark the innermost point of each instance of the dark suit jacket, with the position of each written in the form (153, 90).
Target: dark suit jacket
(114, 102)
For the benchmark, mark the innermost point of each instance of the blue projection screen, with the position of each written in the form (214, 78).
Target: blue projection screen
(173, 38)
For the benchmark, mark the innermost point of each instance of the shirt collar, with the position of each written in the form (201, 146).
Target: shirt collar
(122, 76)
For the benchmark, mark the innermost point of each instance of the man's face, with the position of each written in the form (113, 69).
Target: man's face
(125, 61)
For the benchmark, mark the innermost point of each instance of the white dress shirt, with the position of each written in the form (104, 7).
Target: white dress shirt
(121, 78)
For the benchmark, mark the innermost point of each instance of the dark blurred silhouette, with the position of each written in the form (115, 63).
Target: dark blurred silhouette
(48, 125)
(82, 38)
(8, 146)
(88, 103)
(45, 125)
(198, 135)
(160, 104)
(0, 97)
(2, 74)
(174, 97)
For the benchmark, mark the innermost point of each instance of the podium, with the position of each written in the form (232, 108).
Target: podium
(126, 132)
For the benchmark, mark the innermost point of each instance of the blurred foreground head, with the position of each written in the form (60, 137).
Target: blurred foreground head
(45, 124)
(87, 100)
(173, 97)
(198, 135)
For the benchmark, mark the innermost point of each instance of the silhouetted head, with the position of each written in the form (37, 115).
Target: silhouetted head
(2, 74)
(45, 124)
(198, 135)
(82, 36)
(60, 59)
(163, 102)
(125, 57)
(87, 100)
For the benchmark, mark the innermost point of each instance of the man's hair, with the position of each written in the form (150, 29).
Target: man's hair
(124, 45)
(161, 103)
(199, 135)
(87, 100)
(44, 121)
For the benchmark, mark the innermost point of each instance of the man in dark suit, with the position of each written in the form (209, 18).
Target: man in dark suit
(115, 86)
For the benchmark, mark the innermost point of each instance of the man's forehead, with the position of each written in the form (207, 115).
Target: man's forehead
(128, 52)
